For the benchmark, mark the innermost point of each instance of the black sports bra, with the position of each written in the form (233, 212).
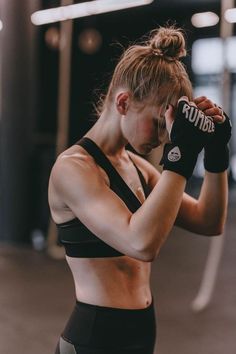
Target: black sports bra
(77, 239)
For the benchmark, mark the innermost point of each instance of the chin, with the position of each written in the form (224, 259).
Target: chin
(144, 149)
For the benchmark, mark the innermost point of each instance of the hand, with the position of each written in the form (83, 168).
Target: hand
(209, 108)
(189, 131)
(216, 157)
(191, 126)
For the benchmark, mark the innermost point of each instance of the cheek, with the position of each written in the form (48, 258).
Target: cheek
(147, 129)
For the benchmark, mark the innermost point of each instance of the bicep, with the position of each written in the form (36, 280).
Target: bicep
(96, 205)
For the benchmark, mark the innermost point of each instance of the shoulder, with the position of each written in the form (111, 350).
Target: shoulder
(74, 167)
(71, 160)
(149, 172)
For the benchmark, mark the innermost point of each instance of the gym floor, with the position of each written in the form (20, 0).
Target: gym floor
(37, 296)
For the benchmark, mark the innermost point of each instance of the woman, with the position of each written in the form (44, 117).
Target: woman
(114, 210)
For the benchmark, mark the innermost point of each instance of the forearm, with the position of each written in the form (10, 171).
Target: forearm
(150, 225)
(212, 203)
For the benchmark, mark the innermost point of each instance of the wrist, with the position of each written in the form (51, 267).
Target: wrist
(216, 159)
(179, 159)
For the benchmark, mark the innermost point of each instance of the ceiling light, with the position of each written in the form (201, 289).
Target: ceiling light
(230, 15)
(207, 54)
(222, 54)
(83, 9)
(204, 19)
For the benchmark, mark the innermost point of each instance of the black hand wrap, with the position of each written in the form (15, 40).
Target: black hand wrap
(191, 130)
(216, 158)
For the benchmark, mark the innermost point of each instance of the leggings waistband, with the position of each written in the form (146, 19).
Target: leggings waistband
(99, 326)
(107, 309)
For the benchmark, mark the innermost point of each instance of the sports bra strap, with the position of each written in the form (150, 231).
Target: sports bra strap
(115, 178)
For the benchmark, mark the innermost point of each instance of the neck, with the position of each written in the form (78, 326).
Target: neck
(107, 134)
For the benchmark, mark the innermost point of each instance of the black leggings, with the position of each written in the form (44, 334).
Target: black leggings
(95, 329)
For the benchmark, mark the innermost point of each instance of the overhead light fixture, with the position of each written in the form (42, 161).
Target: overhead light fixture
(230, 15)
(88, 8)
(222, 54)
(202, 50)
(205, 19)
(1, 25)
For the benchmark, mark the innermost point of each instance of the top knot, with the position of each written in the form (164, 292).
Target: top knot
(168, 42)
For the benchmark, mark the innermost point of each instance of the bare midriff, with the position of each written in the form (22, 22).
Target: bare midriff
(118, 282)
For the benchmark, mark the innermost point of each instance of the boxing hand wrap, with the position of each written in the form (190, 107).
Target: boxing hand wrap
(216, 157)
(190, 132)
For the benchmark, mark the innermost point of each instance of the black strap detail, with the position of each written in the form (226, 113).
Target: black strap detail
(116, 180)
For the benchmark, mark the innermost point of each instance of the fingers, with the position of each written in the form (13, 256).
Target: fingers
(215, 112)
(220, 116)
(204, 104)
(209, 108)
(199, 99)
(186, 99)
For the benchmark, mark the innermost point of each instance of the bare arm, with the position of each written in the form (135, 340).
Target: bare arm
(206, 215)
(139, 235)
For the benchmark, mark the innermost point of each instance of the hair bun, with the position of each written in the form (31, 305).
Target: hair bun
(168, 42)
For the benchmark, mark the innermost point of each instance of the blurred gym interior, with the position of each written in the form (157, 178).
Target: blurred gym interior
(51, 75)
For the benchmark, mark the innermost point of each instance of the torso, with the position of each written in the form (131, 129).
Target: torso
(120, 282)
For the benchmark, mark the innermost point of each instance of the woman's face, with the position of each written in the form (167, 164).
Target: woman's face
(144, 128)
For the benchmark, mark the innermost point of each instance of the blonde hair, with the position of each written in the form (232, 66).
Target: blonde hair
(151, 71)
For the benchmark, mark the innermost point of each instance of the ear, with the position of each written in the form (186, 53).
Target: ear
(122, 102)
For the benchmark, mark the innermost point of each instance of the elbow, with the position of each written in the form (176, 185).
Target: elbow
(212, 226)
(214, 230)
(215, 223)
(147, 253)
(148, 257)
